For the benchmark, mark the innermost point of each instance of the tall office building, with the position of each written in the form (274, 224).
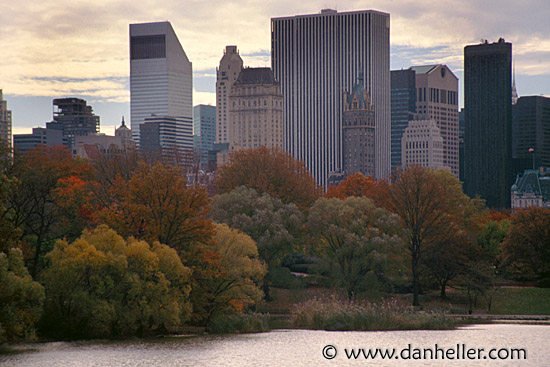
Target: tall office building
(256, 110)
(204, 130)
(488, 130)
(75, 118)
(5, 121)
(422, 145)
(227, 73)
(358, 131)
(461, 128)
(531, 131)
(168, 137)
(403, 108)
(161, 80)
(437, 99)
(317, 57)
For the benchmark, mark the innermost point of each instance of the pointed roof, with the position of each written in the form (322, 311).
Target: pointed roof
(123, 125)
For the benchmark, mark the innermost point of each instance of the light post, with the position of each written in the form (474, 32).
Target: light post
(532, 150)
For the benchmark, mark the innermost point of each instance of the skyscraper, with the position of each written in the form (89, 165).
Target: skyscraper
(488, 119)
(403, 108)
(75, 118)
(204, 130)
(226, 74)
(531, 131)
(437, 99)
(317, 57)
(256, 110)
(161, 81)
(5, 121)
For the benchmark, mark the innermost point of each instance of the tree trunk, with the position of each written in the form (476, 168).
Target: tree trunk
(443, 294)
(265, 288)
(414, 264)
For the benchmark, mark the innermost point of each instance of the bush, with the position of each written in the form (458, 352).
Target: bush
(339, 315)
(238, 323)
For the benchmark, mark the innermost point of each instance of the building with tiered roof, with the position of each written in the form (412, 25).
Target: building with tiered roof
(531, 189)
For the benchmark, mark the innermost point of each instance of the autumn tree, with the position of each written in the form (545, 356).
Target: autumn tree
(236, 287)
(357, 235)
(271, 171)
(102, 286)
(275, 226)
(33, 204)
(157, 205)
(21, 298)
(526, 250)
(432, 208)
(356, 184)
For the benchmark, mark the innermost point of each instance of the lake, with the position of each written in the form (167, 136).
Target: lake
(303, 348)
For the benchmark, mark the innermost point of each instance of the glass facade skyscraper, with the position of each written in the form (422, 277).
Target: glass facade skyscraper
(317, 57)
(488, 122)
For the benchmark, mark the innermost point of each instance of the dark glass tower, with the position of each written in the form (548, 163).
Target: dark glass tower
(488, 131)
(531, 130)
(403, 107)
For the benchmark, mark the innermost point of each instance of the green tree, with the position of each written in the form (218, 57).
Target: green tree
(491, 237)
(101, 285)
(21, 298)
(357, 235)
(276, 227)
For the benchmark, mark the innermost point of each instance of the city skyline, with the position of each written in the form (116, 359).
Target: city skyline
(91, 58)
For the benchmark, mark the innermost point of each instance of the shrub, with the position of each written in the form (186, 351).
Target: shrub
(334, 314)
(238, 323)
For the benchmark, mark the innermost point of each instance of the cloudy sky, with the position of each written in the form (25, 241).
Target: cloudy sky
(52, 49)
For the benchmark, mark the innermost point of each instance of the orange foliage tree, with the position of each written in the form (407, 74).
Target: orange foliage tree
(356, 184)
(157, 205)
(270, 171)
(37, 204)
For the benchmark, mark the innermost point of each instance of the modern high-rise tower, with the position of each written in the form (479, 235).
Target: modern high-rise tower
(161, 80)
(403, 109)
(437, 99)
(316, 58)
(227, 73)
(488, 131)
(531, 132)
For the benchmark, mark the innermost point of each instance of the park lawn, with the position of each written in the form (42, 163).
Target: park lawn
(522, 301)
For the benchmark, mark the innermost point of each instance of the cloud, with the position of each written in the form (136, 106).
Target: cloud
(52, 48)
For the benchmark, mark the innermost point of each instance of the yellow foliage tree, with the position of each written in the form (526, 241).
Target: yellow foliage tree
(101, 285)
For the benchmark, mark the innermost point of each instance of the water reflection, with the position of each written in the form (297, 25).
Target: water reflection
(287, 348)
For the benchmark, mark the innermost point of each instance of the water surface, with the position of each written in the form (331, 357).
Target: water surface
(291, 348)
